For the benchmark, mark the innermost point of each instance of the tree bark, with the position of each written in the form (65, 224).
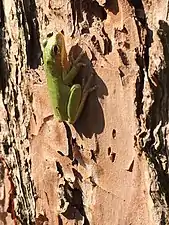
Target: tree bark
(111, 167)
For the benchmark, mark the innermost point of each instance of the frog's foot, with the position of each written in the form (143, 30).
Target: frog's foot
(79, 65)
(82, 53)
(78, 59)
(87, 87)
(87, 92)
(83, 83)
(74, 69)
(76, 63)
(92, 89)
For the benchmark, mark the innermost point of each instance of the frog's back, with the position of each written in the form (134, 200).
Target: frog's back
(59, 94)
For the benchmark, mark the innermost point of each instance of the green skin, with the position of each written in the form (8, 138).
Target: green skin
(67, 99)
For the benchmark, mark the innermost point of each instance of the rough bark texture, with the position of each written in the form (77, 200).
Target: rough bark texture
(111, 167)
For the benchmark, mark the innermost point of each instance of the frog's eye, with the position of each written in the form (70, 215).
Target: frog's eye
(55, 49)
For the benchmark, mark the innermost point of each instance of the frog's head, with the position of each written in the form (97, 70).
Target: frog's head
(54, 51)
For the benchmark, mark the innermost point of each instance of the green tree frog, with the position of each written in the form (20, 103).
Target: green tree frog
(67, 100)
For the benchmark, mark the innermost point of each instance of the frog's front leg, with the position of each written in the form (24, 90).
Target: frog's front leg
(68, 77)
(77, 99)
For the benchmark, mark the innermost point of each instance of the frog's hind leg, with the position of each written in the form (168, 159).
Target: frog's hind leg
(77, 100)
(74, 102)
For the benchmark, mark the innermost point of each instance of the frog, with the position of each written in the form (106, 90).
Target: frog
(67, 99)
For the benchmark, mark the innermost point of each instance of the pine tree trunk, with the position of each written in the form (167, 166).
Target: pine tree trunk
(111, 167)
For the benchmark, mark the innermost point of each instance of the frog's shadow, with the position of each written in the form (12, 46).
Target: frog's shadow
(91, 120)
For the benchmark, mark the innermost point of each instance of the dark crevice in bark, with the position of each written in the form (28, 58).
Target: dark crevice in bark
(163, 221)
(141, 19)
(96, 44)
(17, 113)
(155, 147)
(3, 64)
(73, 17)
(2, 18)
(148, 41)
(139, 86)
(93, 9)
(159, 113)
(112, 6)
(122, 75)
(155, 116)
(78, 204)
(30, 26)
(139, 58)
(60, 222)
(139, 10)
(69, 139)
(163, 33)
(75, 209)
(33, 44)
(59, 168)
(107, 43)
(142, 58)
(94, 12)
(6, 146)
(123, 57)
